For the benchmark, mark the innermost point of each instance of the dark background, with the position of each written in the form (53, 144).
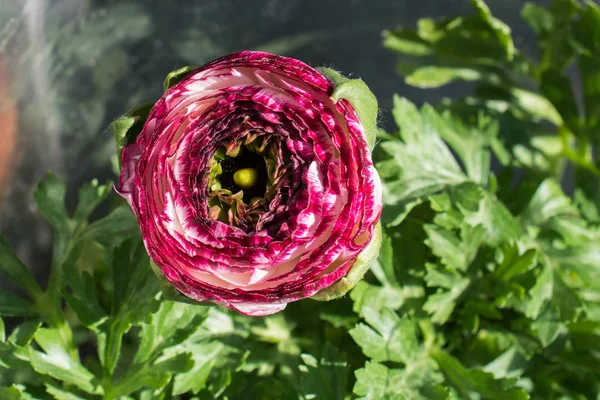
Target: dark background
(69, 67)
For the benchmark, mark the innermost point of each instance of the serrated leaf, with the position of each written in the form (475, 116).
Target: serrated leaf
(471, 143)
(421, 164)
(375, 381)
(449, 247)
(389, 338)
(56, 362)
(548, 202)
(441, 304)
(205, 357)
(481, 208)
(367, 296)
(82, 298)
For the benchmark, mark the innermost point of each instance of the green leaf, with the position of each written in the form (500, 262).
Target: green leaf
(178, 75)
(535, 104)
(125, 129)
(500, 29)
(376, 381)
(452, 251)
(433, 76)
(554, 30)
(50, 198)
(390, 339)
(467, 381)
(547, 327)
(537, 17)
(155, 376)
(509, 364)
(205, 357)
(112, 229)
(550, 287)
(557, 89)
(481, 208)
(15, 270)
(16, 306)
(358, 94)
(82, 297)
(367, 296)
(441, 304)
(548, 202)
(91, 196)
(406, 42)
(515, 263)
(325, 378)
(134, 299)
(10, 393)
(56, 362)
(384, 267)
(421, 163)
(471, 143)
(60, 394)
(24, 333)
(171, 326)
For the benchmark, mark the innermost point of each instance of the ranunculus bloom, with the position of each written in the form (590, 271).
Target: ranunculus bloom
(252, 186)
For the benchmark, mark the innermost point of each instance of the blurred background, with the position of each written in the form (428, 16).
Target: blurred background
(70, 67)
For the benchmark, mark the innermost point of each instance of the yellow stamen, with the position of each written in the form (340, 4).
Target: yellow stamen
(245, 177)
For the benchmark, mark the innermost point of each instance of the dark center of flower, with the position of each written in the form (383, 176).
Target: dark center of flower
(246, 172)
(248, 178)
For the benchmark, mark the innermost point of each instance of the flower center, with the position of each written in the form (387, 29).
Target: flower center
(246, 171)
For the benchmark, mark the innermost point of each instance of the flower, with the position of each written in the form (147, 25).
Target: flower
(252, 181)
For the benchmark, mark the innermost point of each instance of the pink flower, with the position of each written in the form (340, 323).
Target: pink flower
(252, 186)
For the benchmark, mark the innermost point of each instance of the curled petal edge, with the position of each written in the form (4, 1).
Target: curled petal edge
(356, 273)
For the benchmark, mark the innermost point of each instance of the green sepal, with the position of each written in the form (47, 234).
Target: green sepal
(356, 273)
(357, 93)
(125, 129)
(177, 76)
(169, 292)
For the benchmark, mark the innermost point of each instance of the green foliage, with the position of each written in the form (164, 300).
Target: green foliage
(487, 284)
